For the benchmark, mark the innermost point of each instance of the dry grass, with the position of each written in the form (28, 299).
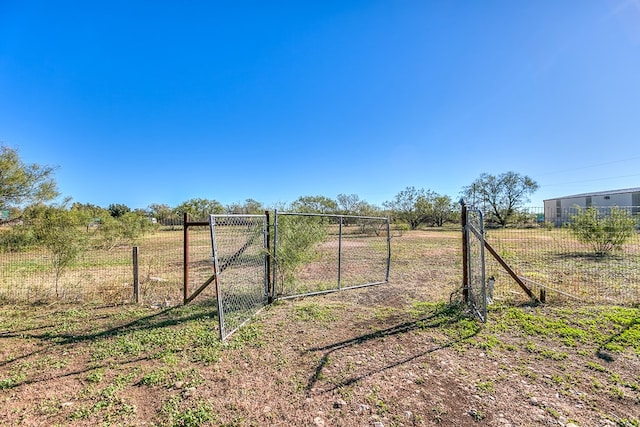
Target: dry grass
(392, 355)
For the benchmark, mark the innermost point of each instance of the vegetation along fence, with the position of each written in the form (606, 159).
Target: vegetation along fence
(318, 253)
(98, 273)
(313, 254)
(590, 259)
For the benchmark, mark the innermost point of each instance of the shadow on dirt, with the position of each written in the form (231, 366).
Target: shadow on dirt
(164, 318)
(601, 351)
(443, 316)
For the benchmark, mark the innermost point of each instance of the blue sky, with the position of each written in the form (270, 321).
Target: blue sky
(141, 102)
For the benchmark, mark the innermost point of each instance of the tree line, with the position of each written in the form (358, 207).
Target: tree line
(30, 217)
(27, 192)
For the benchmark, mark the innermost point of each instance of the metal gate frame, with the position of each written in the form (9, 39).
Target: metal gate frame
(341, 219)
(229, 291)
(475, 289)
(243, 298)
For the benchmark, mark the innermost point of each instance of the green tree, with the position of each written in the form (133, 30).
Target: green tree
(500, 196)
(199, 209)
(348, 204)
(23, 184)
(603, 232)
(411, 206)
(123, 230)
(116, 210)
(440, 209)
(315, 204)
(249, 207)
(88, 214)
(367, 209)
(57, 229)
(164, 214)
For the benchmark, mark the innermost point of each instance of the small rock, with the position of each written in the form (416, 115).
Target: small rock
(571, 425)
(364, 408)
(266, 409)
(378, 424)
(188, 391)
(318, 422)
(178, 384)
(534, 401)
(339, 404)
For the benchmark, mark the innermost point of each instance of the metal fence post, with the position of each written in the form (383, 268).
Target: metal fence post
(185, 259)
(465, 251)
(136, 283)
(386, 278)
(267, 261)
(340, 252)
(274, 267)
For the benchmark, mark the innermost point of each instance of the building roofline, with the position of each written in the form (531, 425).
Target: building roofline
(598, 193)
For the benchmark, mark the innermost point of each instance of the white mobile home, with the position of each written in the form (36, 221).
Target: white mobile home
(559, 210)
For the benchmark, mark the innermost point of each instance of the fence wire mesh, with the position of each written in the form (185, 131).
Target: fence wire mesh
(199, 263)
(317, 253)
(551, 260)
(97, 274)
(476, 263)
(239, 244)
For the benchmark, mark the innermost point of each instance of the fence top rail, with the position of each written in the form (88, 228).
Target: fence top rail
(332, 215)
(236, 215)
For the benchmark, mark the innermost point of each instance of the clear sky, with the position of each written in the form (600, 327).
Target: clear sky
(141, 102)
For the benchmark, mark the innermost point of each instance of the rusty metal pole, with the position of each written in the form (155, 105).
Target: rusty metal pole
(185, 259)
(465, 251)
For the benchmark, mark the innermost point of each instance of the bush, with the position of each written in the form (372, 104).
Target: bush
(297, 240)
(16, 238)
(604, 233)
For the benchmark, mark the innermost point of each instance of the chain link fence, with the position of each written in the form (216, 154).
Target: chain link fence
(239, 247)
(317, 253)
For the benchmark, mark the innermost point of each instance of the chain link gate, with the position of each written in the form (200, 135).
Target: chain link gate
(312, 254)
(320, 253)
(475, 277)
(240, 254)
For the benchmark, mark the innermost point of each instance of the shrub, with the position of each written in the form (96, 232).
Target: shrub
(297, 240)
(604, 233)
(57, 229)
(16, 238)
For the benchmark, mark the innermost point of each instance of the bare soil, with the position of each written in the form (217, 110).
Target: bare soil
(391, 355)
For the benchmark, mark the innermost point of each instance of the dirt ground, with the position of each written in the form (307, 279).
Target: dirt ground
(397, 354)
